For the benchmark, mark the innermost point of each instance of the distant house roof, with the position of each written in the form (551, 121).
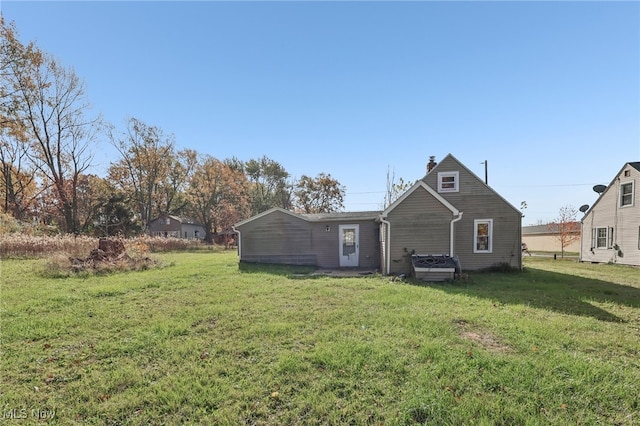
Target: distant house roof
(182, 220)
(542, 229)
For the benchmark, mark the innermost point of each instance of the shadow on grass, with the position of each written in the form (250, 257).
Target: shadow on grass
(563, 293)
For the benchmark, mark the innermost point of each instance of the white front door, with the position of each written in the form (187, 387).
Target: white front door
(349, 245)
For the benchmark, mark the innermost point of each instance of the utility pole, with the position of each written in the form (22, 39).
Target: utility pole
(486, 171)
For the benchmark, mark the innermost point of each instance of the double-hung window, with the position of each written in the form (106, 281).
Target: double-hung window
(626, 194)
(483, 235)
(602, 237)
(448, 182)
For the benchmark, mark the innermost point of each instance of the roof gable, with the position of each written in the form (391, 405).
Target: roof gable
(633, 164)
(266, 213)
(421, 185)
(472, 174)
(180, 220)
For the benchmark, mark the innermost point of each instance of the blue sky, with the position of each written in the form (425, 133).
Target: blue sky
(547, 92)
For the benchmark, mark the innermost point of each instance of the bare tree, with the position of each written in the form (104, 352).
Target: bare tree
(395, 188)
(147, 155)
(52, 106)
(17, 177)
(565, 228)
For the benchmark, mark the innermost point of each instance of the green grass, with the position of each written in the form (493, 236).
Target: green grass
(202, 341)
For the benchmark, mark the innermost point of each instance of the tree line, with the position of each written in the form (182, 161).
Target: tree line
(48, 132)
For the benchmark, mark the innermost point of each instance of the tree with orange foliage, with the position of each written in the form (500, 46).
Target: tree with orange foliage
(46, 106)
(322, 194)
(565, 228)
(218, 196)
(17, 179)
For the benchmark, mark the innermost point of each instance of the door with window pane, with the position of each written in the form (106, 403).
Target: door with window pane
(349, 245)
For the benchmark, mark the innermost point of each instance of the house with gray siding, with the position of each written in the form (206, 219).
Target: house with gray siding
(611, 226)
(326, 240)
(175, 227)
(449, 212)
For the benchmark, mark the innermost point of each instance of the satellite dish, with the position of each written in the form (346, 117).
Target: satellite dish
(584, 208)
(599, 188)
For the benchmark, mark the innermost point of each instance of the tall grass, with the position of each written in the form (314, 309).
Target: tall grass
(203, 341)
(22, 245)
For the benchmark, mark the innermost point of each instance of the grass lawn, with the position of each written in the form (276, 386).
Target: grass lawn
(202, 341)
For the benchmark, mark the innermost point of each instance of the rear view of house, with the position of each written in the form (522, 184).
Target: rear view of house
(611, 227)
(449, 213)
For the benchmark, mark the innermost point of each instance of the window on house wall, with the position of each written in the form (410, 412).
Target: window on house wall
(448, 182)
(168, 221)
(602, 237)
(626, 194)
(483, 236)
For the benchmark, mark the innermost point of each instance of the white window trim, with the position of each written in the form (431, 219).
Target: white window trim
(608, 240)
(632, 194)
(456, 181)
(490, 236)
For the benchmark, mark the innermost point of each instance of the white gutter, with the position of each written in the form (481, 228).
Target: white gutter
(388, 244)
(451, 234)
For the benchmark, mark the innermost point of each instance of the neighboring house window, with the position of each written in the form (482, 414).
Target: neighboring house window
(602, 237)
(626, 194)
(483, 236)
(168, 221)
(448, 182)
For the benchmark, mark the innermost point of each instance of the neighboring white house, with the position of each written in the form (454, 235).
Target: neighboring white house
(611, 227)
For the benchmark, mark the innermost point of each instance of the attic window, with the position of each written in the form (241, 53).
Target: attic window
(448, 182)
(626, 194)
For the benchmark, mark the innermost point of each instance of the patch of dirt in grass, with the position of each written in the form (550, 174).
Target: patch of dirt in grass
(484, 338)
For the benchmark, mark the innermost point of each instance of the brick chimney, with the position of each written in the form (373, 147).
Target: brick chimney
(432, 163)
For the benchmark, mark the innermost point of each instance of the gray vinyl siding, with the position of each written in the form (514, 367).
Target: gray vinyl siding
(624, 221)
(326, 244)
(420, 225)
(283, 238)
(478, 201)
(277, 238)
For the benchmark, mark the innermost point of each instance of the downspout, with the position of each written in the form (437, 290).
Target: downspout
(387, 259)
(239, 243)
(451, 233)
